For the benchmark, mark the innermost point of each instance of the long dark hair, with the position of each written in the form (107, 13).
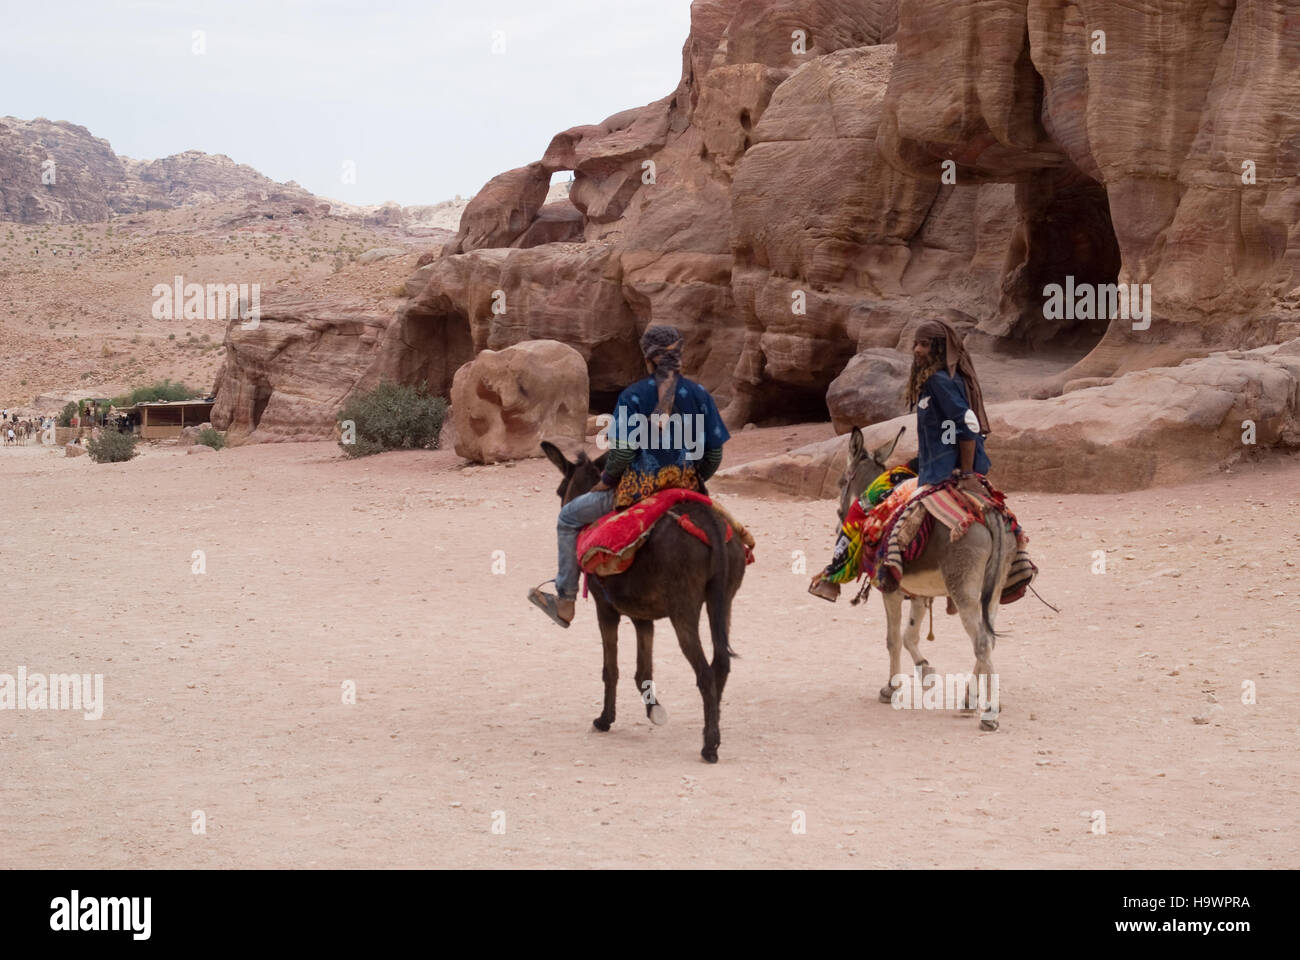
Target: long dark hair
(916, 379)
(662, 346)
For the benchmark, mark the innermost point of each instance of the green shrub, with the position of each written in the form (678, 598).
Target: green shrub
(211, 438)
(111, 447)
(392, 416)
(162, 390)
(67, 413)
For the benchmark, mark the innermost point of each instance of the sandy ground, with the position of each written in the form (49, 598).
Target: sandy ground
(223, 690)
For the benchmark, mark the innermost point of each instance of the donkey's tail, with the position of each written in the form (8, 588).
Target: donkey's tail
(715, 597)
(993, 569)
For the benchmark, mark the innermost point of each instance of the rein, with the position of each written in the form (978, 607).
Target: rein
(1044, 602)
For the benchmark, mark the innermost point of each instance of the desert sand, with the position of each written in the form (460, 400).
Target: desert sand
(223, 690)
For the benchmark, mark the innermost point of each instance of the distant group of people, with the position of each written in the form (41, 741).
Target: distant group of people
(18, 430)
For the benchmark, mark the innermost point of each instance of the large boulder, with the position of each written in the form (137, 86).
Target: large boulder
(505, 403)
(869, 390)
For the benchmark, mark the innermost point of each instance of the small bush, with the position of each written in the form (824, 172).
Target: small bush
(69, 411)
(393, 417)
(111, 447)
(211, 438)
(162, 390)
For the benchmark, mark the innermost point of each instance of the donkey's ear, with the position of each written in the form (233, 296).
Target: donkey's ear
(554, 455)
(856, 444)
(882, 455)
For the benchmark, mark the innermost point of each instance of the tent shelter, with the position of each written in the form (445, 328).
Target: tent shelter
(163, 419)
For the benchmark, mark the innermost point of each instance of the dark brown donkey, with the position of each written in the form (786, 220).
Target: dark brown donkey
(673, 576)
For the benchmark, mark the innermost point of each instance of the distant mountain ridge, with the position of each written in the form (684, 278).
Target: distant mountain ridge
(59, 172)
(53, 171)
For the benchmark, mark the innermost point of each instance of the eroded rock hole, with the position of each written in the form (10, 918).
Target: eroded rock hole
(437, 346)
(261, 397)
(1066, 248)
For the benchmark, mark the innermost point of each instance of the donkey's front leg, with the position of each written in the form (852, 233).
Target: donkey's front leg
(915, 617)
(893, 640)
(608, 618)
(645, 672)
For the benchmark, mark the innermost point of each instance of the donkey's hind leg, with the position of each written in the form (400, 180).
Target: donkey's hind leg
(688, 637)
(608, 618)
(645, 672)
(982, 691)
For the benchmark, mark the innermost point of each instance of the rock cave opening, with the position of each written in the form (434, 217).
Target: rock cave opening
(612, 365)
(784, 404)
(1067, 246)
(261, 397)
(437, 345)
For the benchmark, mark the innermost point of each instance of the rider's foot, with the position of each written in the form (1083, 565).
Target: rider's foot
(952, 607)
(567, 608)
(560, 609)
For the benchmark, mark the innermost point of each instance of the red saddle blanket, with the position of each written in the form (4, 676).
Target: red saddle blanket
(608, 546)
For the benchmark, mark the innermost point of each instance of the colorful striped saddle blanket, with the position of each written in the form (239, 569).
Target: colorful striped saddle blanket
(909, 531)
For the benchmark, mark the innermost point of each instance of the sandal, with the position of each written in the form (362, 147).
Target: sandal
(824, 589)
(547, 603)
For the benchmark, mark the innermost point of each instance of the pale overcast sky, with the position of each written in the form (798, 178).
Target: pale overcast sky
(410, 91)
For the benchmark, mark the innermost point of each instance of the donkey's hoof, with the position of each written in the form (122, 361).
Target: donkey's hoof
(601, 724)
(887, 694)
(657, 714)
(988, 724)
(710, 754)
